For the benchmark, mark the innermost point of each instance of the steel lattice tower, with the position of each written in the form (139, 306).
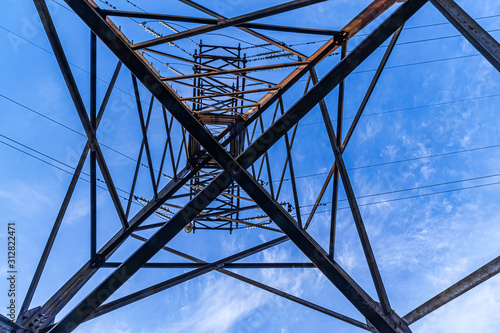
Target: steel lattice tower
(222, 122)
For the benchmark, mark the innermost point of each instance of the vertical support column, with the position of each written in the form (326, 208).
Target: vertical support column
(93, 160)
(340, 115)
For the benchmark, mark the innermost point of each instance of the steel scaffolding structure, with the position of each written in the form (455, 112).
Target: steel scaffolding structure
(220, 175)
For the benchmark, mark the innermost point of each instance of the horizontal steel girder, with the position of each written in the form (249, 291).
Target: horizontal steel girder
(177, 18)
(282, 8)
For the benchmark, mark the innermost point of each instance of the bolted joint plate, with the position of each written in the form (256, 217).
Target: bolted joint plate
(98, 260)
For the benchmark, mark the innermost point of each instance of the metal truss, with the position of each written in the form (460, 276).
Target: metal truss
(223, 180)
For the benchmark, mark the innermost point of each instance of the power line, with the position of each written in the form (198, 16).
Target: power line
(407, 28)
(182, 26)
(50, 158)
(358, 35)
(302, 124)
(63, 6)
(427, 194)
(324, 40)
(321, 204)
(430, 105)
(61, 124)
(58, 167)
(425, 157)
(41, 115)
(358, 72)
(53, 165)
(413, 108)
(402, 161)
(437, 24)
(414, 196)
(137, 198)
(448, 23)
(38, 158)
(72, 64)
(380, 164)
(419, 63)
(416, 188)
(434, 39)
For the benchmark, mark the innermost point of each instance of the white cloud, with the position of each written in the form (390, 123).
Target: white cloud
(280, 278)
(347, 258)
(117, 324)
(18, 192)
(222, 303)
(475, 311)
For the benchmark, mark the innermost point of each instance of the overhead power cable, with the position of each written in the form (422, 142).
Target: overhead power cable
(412, 108)
(414, 196)
(416, 188)
(61, 124)
(307, 124)
(401, 161)
(322, 204)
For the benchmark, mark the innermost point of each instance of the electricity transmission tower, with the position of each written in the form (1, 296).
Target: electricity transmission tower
(223, 119)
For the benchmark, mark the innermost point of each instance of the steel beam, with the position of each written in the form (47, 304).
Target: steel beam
(236, 70)
(205, 268)
(473, 32)
(371, 310)
(7, 326)
(354, 55)
(139, 160)
(65, 203)
(200, 65)
(355, 121)
(288, 145)
(186, 265)
(296, 299)
(70, 288)
(320, 196)
(291, 79)
(363, 236)
(145, 134)
(351, 129)
(168, 145)
(340, 118)
(53, 233)
(190, 19)
(371, 87)
(228, 22)
(105, 309)
(78, 102)
(93, 160)
(472, 280)
(55, 304)
(374, 10)
(231, 93)
(367, 15)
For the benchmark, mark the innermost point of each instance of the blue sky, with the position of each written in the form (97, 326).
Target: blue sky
(429, 136)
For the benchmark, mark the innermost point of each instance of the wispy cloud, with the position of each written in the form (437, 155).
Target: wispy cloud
(222, 303)
(476, 311)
